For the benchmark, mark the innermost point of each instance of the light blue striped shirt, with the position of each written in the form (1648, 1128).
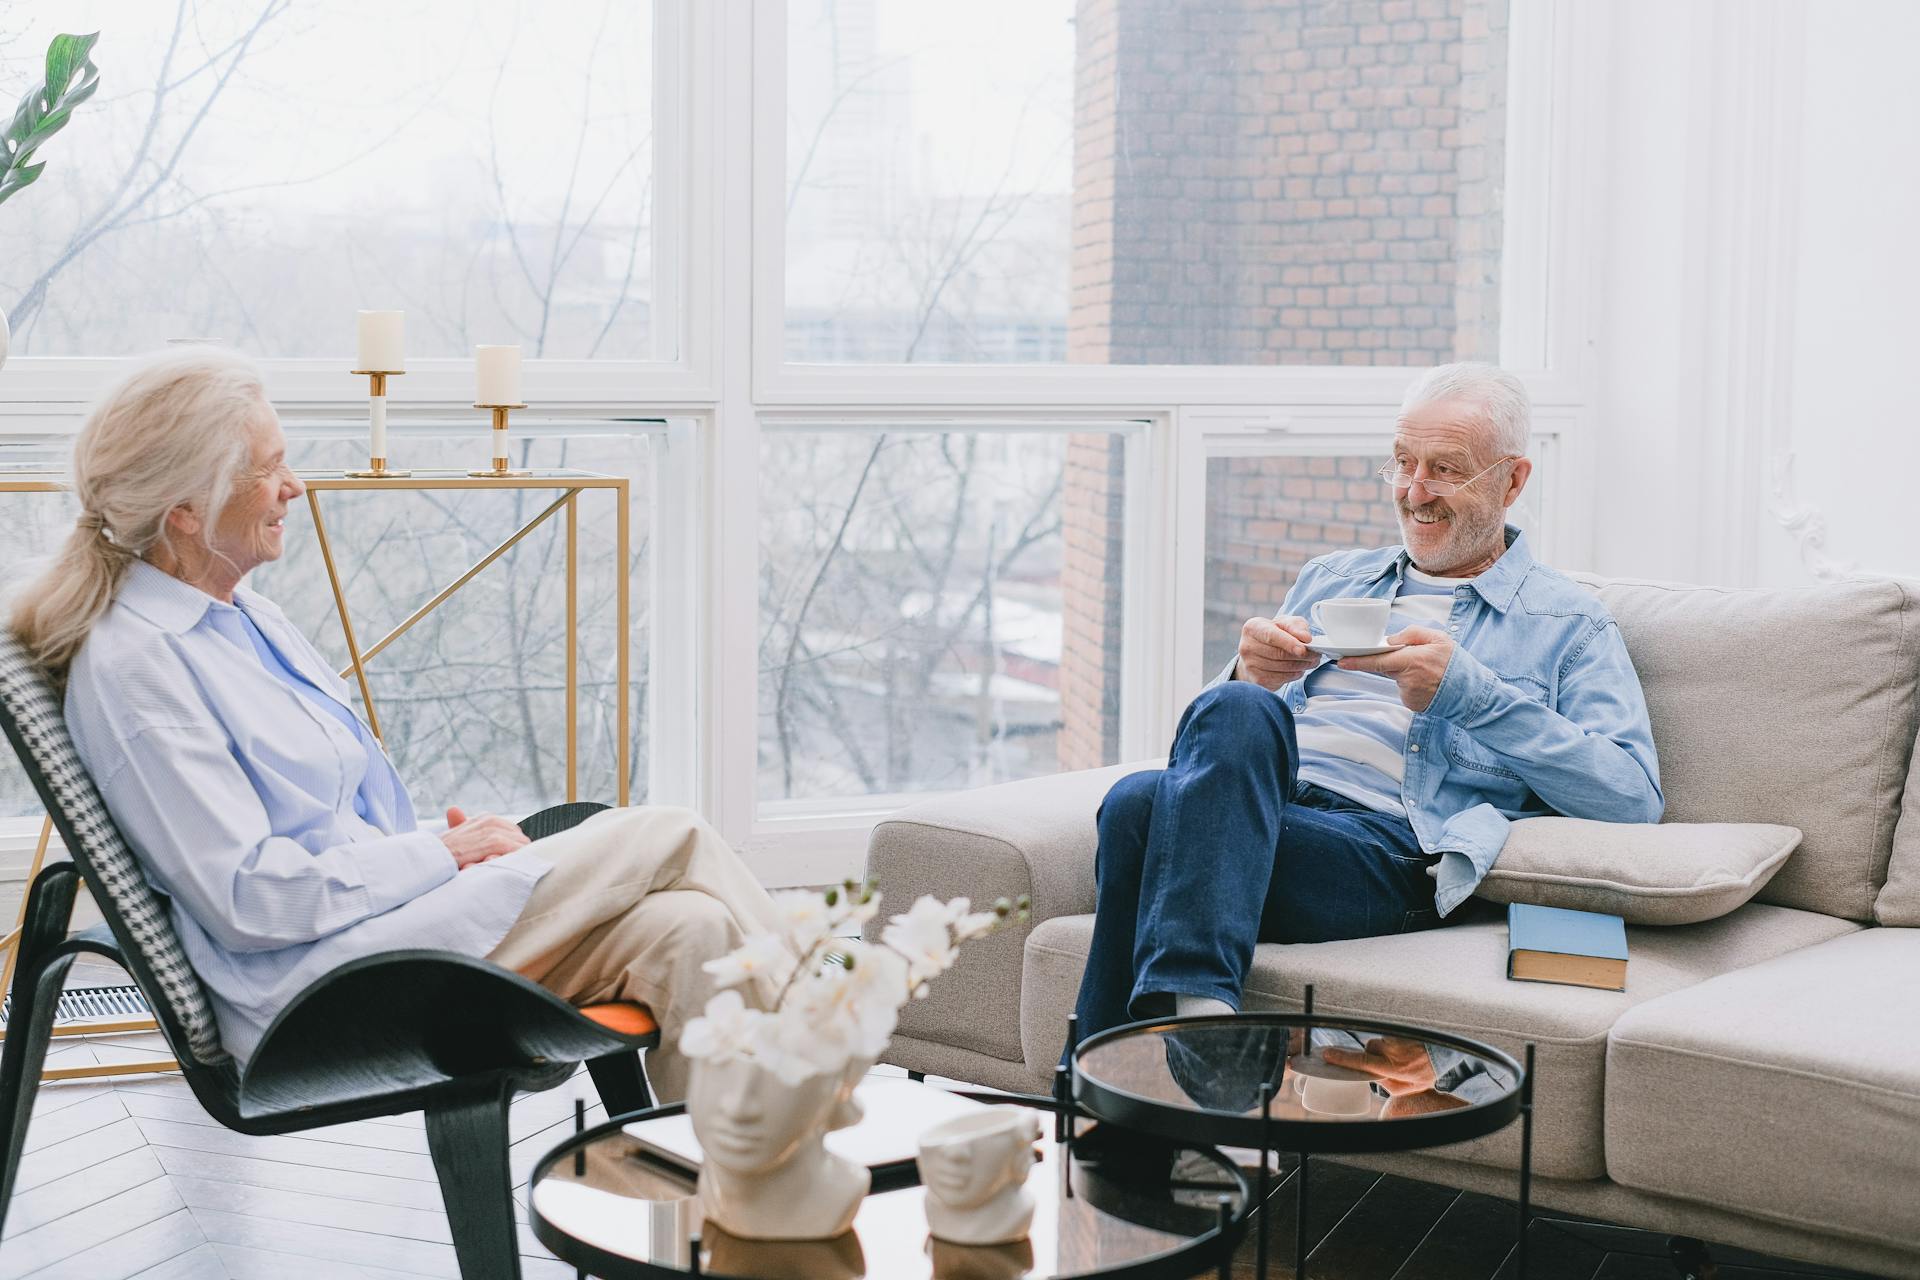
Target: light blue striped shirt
(1353, 733)
(241, 795)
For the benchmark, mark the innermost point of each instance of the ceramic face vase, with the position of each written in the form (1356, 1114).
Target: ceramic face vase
(975, 1171)
(766, 1173)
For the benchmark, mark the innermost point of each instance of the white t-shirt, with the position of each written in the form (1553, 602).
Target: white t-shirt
(1353, 732)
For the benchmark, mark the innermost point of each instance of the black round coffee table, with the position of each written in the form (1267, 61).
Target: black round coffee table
(1295, 1082)
(601, 1202)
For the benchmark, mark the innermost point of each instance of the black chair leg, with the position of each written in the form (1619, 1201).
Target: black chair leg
(36, 996)
(621, 1083)
(467, 1135)
(28, 1031)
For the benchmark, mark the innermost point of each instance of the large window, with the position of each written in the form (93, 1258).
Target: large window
(471, 700)
(1138, 182)
(1011, 353)
(1269, 515)
(252, 171)
(939, 609)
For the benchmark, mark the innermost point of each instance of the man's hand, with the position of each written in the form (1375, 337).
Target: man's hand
(1401, 1066)
(1417, 662)
(1404, 1069)
(472, 841)
(1273, 651)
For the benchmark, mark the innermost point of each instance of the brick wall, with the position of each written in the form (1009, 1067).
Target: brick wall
(1268, 516)
(1093, 518)
(1276, 182)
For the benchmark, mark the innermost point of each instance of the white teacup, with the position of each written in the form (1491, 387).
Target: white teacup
(1351, 622)
(1329, 1090)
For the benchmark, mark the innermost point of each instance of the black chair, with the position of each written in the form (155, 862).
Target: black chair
(431, 1031)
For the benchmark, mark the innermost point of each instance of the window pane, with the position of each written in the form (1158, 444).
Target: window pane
(252, 173)
(472, 700)
(1268, 516)
(31, 525)
(938, 610)
(1145, 181)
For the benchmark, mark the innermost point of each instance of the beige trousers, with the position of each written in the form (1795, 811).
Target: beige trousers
(638, 899)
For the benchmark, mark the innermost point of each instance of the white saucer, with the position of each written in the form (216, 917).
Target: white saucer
(1348, 651)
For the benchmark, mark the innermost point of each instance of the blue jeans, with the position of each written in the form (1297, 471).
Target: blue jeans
(1225, 847)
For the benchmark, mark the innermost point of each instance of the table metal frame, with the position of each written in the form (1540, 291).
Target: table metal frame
(570, 484)
(1264, 1133)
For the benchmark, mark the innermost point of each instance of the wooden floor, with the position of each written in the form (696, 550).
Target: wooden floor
(1368, 1226)
(131, 1178)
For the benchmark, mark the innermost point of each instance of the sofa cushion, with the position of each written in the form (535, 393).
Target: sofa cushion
(1454, 979)
(1789, 1090)
(1646, 873)
(1035, 837)
(1899, 900)
(1755, 724)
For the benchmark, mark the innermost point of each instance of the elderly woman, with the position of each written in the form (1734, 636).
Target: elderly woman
(262, 806)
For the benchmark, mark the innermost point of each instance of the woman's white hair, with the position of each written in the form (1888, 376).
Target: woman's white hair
(1502, 399)
(174, 432)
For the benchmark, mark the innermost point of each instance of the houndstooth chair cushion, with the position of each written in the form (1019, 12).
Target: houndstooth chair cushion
(103, 857)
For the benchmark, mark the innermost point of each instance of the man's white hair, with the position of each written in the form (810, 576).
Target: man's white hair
(1502, 399)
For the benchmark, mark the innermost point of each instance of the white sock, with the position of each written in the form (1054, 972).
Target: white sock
(1186, 1006)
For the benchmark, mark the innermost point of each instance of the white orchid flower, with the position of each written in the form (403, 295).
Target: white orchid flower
(728, 1028)
(804, 915)
(763, 959)
(924, 938)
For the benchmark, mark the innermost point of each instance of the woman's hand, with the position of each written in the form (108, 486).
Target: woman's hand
(472, 841)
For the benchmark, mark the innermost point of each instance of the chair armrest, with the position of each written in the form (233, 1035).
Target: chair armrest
(558, 818)
(1036, 838)
(400, 1021)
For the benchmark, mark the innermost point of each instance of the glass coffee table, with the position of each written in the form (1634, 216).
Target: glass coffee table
(1294, 1082)
(603, 1203)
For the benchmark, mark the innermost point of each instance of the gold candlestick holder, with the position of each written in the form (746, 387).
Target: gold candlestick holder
(500, 467)
(377, 468)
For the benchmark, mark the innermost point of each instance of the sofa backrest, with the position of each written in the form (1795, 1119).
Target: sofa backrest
(1794, 705)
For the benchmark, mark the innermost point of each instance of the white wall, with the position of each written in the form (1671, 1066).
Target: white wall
(1855, 432)
(1758, 285)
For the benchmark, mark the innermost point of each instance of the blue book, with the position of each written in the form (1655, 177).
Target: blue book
(1554, 944)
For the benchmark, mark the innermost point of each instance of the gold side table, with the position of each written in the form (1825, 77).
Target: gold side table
(568, 486)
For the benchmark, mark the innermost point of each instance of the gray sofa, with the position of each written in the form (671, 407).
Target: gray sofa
(1757, 1083)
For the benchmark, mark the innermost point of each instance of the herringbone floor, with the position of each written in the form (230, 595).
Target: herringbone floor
(132, 1178)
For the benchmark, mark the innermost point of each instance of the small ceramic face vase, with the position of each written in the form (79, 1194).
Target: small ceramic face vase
(749, 1122)
(975, 1172)
(767, 1174)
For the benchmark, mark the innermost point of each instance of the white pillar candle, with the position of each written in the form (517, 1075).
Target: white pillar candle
(382, 341)
(496, 375)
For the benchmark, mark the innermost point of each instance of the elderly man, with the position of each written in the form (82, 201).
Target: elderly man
(1308, 800)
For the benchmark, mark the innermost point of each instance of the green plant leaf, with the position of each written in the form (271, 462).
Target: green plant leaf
(65, 55)
(45, 110)
(14, 179)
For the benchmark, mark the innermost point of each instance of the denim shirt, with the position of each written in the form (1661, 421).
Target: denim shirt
(1539, 712)
(243, 798)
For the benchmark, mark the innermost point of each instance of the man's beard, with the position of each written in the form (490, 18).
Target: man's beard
(1470, 534)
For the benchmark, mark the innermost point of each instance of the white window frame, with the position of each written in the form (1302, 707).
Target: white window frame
(720, 129)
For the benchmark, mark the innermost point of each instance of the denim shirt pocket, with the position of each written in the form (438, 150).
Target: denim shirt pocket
(1487, 771)
(1465, 753)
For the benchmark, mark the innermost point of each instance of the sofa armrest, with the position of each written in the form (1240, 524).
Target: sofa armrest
(1035, 838)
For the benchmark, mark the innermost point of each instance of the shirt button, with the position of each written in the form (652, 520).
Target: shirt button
(1414, 747)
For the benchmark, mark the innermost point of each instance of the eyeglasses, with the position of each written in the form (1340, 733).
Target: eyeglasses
(1391, 475)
